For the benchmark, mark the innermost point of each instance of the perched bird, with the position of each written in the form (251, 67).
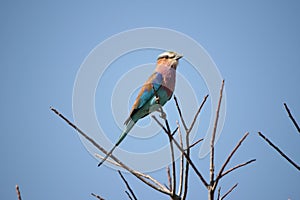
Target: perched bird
(156, 91)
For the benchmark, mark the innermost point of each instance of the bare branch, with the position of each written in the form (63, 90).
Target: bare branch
(187, 154)
(237, 166)
(137, 173)
(169, 178)
(212, 142)
(198, 112)
(18, 192)
(97, 196)
(159, 123)
(176, 129)
(128, 195)
(195, 117)
(180, 114)
(127, 185)
(279, 151)
(229, 191)
(108, 160)
(187, 167)
(162, 190)
(229, 157)
(182, 151)
(219, 193)
(181, 167)
(170, 136)
(291, 116)
(173, 188)
(195, 143)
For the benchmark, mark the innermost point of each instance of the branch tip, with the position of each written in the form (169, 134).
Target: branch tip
(279, 151)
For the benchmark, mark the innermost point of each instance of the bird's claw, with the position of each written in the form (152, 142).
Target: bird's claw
(162, 115)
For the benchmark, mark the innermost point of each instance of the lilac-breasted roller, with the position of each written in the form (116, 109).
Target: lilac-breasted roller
(155, 92)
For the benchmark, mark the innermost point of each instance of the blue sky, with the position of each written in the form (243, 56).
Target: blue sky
(255, 45)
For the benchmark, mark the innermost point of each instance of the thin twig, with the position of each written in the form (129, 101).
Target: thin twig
(169, 178)
(195, 117)
(176, 129)
(162, 190)
(136, 172)
(181, 167)
(180, 114)
(182, 151)
(291, 116)
(187, 165)
(198, 112)
(127, 185)
(187, 154)
(108, 160)
(212, 142)
(170, 136)
(128, 195)
(237, 166)
(167, 186)
(228, 158)
(173, 161)
(18, 192)
(279, 151)
(229, 191)
(195, 143)
(219, 193)
(97, 196)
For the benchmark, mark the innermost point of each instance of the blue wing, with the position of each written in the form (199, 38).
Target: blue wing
(146, 93)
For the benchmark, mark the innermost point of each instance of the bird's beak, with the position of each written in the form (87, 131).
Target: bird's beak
(178, 56)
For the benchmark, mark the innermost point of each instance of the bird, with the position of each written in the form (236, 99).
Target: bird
(155, 92)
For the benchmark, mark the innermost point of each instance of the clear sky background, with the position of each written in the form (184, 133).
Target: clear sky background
(255, 45)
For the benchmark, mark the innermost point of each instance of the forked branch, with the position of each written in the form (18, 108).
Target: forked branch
(182, 151)
(128, 186)
(219, 176)
(162, 190)
(237, 167)
(188, 146)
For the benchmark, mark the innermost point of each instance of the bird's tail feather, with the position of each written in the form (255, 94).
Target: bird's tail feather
(123, 135)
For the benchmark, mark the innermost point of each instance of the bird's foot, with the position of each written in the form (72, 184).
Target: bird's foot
(162, 115)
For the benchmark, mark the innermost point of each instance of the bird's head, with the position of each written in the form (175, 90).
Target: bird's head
(169, 58)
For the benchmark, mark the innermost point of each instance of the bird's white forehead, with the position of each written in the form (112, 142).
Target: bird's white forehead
(167, 53)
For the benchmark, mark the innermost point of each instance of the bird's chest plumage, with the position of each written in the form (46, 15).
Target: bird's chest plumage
(169, 79)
